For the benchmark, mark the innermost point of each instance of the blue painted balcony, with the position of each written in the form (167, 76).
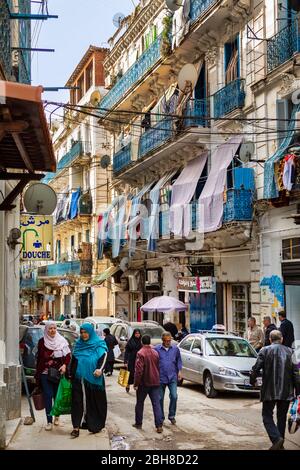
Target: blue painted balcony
(122, 158)
(135, 73)
(229, 98)
(65, 161)
(283, 46)
(5, 41)
(30, 284)
(199, 111)
(156, 136)
(198, 7)
(240, 195)
(71, 268)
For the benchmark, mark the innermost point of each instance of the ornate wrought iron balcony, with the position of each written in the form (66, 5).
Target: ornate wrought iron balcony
(122, 158)
(198, 7)
(5, 43)
(72, 268)
(155, 137)
(135, 73)
(283, 45)
(65, 161)
(198, 110)
(231, 97)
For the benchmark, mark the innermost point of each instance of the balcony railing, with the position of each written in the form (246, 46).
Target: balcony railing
(283, 46)
(71, 268)
(231, 97)
(65, 161)
(122, 158)
(198, 7)
(135, 73)
(155, 137)
(198, 110)
(5, 42)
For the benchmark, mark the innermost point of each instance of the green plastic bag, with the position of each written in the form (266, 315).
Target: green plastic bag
(63, 400)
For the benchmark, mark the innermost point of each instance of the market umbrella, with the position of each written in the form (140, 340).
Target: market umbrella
(163, 303)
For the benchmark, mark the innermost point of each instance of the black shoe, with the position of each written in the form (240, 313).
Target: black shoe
(75, 433)
(137, 426)
(277, 445)
(172, 420)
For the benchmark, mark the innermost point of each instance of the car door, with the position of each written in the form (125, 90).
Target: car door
(196, 361)
(185, 351)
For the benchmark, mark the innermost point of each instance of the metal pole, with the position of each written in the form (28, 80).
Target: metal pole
(26, 388)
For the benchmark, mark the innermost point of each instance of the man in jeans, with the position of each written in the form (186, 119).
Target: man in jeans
(170, 366)
(280, 381)
(146, 382)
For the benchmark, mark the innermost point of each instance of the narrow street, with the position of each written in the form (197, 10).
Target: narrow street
(228, 422)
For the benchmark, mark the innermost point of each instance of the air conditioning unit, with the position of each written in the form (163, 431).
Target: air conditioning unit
(108, 82)
(132, 281)
(152, 277)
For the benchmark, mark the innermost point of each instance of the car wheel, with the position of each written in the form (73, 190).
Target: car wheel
(209, 389)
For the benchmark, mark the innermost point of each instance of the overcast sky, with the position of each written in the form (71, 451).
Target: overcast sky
(80, 23)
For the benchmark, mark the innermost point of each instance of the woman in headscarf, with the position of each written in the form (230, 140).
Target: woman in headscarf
(54, 352)
(88, 387)
(131, 350)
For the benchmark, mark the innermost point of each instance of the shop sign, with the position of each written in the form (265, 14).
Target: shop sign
(37, 237)
(199, 285)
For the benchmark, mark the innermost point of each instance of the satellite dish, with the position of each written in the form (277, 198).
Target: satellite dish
(105, 162)
(188, 73)
(124, 264)
(95, 98)
(40, 199)
(174, 5)
(246, 151)
(295, 5)
(117, 19)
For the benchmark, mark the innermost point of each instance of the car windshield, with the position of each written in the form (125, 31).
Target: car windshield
(229, 347)
(154, 333)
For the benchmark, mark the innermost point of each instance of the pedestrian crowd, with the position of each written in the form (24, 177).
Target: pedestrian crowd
(152, 370)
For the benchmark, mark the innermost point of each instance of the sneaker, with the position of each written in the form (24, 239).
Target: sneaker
(159, 429)
(56, 421)
(137, 426)
(172, 420)
(48, 427)
(277, 445)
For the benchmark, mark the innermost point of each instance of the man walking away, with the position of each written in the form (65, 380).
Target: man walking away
(146, 382)
(255, 334)
(111, 342)
(170, 366)
(280, 380)
(269, 326)
(287, 329)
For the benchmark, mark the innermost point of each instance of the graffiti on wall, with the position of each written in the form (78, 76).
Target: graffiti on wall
(273, 288)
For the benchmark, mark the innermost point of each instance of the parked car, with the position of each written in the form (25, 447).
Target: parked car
(29, 337)
(219, 362)
(57, 322)
(123, 332)
(72, 324)
(100, 323)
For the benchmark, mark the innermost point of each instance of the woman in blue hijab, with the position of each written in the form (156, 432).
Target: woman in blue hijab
(88, 387)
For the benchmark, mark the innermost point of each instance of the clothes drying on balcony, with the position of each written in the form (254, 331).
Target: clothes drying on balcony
(182, 192)
(271, 190)
(74, 204)
(153, 234)
(181, 23)
(211, 205)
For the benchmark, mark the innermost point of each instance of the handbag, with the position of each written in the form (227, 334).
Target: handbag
(123, 377)
(54, 375)
(38, 399)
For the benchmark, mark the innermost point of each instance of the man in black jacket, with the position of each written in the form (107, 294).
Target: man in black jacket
(269, 326)
(280, 380)
(287, 329)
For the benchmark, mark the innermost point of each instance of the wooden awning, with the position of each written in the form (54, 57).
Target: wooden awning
(25, 143)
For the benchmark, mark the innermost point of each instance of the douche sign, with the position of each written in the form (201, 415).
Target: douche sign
(37, 237)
